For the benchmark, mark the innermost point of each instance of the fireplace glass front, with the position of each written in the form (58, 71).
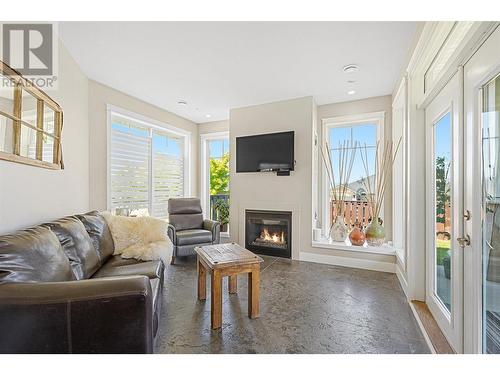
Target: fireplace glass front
(269, 232)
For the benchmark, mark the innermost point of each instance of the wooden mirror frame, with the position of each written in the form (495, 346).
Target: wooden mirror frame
(43, 100)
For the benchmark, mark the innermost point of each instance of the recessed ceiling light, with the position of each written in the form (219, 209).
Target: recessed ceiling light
(182, 102)
(208, 116)
(351, 92)
(351, 68)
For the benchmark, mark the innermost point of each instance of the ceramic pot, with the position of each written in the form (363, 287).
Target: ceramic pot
(339, 231)
(375, 233)
(357, 237)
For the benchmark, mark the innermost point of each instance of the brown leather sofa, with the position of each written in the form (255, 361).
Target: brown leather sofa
(63, 291)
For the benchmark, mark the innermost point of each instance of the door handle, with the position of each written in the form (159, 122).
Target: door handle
(467, 215)
(464, 241)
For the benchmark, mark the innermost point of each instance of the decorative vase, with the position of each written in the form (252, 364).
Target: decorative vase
(375, 233)
(357, 237)
(339, 231)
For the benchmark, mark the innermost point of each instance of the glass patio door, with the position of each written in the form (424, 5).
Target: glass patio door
(482, 198)
(444, 197)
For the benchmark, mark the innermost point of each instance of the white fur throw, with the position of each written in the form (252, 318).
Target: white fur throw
(143, 238)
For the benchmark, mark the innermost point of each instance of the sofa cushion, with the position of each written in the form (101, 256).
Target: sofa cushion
(117, 260)
(99, 233)
(33, 255)
(77, 245)
(193, 237)
(151, 269)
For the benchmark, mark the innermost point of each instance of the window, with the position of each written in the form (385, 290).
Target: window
(30, 123)
(215, 177)
(366, 130)
(147, 165)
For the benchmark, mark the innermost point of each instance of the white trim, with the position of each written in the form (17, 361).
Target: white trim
(478, 71)
(147, 121)
(450, 322)
(335, 260)
(344, 121)
(462, 53)
(402, 279)
(108, 158)
(150, 124)
(345, 246)
(401, 99)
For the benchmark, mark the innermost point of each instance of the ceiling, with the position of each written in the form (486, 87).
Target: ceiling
(215, 66)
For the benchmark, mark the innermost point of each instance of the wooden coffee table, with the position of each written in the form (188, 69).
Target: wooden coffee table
(227, 260)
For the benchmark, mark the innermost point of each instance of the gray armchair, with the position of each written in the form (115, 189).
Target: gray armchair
(187, 229)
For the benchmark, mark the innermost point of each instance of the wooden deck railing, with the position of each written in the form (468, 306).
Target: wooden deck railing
(353, 211)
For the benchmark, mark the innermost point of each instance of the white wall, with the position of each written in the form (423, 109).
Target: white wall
(31, 195)
(376, 104)
(99, 97)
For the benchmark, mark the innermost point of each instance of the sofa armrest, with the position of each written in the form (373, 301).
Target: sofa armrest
(105, 315)
(214, 227)
(172, 234)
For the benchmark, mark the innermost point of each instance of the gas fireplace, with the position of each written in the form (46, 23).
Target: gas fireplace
(269, 232)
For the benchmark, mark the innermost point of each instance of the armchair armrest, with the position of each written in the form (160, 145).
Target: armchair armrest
(172, 234)
(105, 315)
(214, 227)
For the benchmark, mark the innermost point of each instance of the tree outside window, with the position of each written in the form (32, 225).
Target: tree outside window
(219, 182)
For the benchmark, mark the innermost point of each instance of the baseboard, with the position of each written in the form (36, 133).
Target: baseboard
(402, 281)
(335, 260)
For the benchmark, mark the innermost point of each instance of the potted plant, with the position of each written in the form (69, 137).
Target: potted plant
(221, 207)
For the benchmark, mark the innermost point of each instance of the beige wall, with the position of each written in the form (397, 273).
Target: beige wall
(213, 127)
(99, 97)
(30, 195)
(376, 104)
(262, 190)
(294, 193)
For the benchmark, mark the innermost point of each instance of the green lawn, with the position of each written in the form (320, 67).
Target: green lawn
(442, 247)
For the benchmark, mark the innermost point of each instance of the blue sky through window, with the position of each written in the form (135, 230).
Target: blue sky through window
(218, 147)
(364, 134)
(166, 145)
(442, 141)
(161, 143)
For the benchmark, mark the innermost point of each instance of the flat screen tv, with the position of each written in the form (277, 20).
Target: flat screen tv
(265, 152)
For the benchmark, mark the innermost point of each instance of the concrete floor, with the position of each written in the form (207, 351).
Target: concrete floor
(305, 308)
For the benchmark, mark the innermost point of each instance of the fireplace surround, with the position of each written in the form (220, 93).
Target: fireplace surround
(269, 232)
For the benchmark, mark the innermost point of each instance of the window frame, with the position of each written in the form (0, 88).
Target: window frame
(151, 125)
(43, 100)
(376, 118)
(205, 169)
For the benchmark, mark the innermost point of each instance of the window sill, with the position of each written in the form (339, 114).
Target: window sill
(324, 243)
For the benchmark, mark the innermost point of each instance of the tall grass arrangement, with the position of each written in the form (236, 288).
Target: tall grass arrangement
(384, 161)
(339, 171)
